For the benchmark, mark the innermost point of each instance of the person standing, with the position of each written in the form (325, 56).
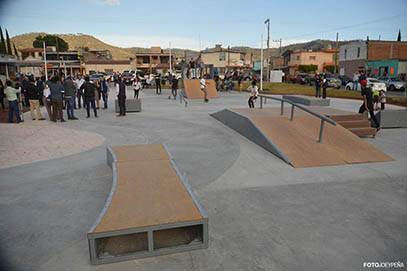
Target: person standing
(158, 83)
(324, 86)
(11, 94)
(239, 82)
(121, 97)
(355, 84)
(115, 78)
(24, 84)
(69, 95)
(33, 95)
(217, 82)
(254, 91)
(56, 98)
(382, 99)
(174, 87)
(2, 95)
(79, 82)
(89, 90)
(97, 93)
(367, 105)
(40, 85)
(137, 87)
(104, 90)
(192, 67)
(47, 101)
(318, 83)
(203, 89)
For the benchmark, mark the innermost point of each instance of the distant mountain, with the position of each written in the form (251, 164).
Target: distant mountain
(82, 40)
(74, 41)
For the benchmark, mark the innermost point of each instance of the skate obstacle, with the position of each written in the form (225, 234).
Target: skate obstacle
(150, 210)
(392, 118)
(132, 105)
(307, 100)
(298, 140)
(193, 89)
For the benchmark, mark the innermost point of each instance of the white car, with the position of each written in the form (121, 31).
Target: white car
(371, 82)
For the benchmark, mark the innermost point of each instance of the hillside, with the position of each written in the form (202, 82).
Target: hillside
(74, 41)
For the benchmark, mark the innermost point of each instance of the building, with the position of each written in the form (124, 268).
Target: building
(107, 66)
(223, 60)
(352, 57)
(322, 59)
(277, 62)
(148, 62)
(7, 67)
(378, 57)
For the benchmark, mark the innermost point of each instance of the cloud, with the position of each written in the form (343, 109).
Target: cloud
(126, 41)
(106, 2)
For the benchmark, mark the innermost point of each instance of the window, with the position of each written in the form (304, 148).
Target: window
(312, 57)
(346, 52)
(146, 59)
(298, 57)
(222, 56)
(358, 51)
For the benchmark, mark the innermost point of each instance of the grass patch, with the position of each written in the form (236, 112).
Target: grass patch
(286, 88)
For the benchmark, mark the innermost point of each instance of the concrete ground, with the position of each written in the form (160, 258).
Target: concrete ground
(263, 213)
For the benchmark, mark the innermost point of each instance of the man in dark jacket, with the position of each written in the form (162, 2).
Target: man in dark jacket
(69, 96)
(40, 85)
(104, 90)
(56, 99)
(32, 93)
(121, 97)
(89, 94)
(158, 83)
(174, 87)
(367, 105)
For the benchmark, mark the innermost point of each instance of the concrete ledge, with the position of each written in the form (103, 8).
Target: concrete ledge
(392, 118)
(132, 105)
(307, 100)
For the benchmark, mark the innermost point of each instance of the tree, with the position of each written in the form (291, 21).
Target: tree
(9, 49)
(15, 50)
(51, 40)
(331, 68)
(3, 49)
(399, 36)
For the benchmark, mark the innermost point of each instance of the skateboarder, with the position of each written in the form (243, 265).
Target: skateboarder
(253, 94)
(367, 105)
(203, 89)
(158, 83)
(174, 87)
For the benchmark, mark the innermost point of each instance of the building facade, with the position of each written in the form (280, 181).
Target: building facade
(352, 57)
(322, 59)
(224, 60)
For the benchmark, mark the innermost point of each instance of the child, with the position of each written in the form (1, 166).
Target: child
(376, 94)
(253, 94)
(137, 87)
(382, 99)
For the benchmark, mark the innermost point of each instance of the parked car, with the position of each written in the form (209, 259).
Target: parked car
(371, 82)
(393, 83)
(127, 78)
(301, 78)
(344, 79)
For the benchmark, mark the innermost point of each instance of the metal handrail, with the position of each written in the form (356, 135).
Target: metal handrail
(293, 105)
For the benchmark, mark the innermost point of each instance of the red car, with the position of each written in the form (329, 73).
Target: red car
(127, 78)
(301, 78)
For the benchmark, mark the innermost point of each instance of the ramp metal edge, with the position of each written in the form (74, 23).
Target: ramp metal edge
(92, 237)
(223, 114)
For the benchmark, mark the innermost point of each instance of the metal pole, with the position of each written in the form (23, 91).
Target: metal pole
(282, 107)
(336, 53)
(321, 130)
(7, 77)
(279, 61)
(292, 112)
(45, 62)
(261, 102)
(170, 59)
(261, 65)
(268, 48)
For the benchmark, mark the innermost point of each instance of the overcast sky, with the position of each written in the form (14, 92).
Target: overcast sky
(201, 24)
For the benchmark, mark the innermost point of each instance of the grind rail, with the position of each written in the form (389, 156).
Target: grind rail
(293, 105)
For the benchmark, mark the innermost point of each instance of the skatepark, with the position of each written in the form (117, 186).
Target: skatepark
(263, 212)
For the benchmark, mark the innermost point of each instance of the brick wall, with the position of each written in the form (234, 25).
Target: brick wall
(387, 50)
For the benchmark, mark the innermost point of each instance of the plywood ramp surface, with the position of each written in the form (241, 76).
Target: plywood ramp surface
(148, 192)
(193, 89)
(298, 140)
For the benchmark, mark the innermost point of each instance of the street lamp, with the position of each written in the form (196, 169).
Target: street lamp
(268, 46)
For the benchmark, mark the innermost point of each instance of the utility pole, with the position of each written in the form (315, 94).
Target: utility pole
(170, 58)
(228, 60)
(336, 52)
(45, 62)
(261, 65)
(268, 47)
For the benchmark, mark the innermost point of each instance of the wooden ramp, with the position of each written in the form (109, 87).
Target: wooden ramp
(193, 89)
(150, 210)
(296, 142)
